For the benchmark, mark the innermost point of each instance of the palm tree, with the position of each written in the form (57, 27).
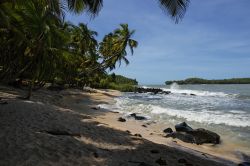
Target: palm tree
(174, 8)
(114, 45)
(38, 31)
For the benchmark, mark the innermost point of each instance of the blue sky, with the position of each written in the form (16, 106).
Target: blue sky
(212, 41)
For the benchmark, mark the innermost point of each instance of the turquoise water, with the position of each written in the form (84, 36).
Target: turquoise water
(224, 109)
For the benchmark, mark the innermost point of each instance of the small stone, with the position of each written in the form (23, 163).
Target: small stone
(143, 125)
(120, 119)
(128, 131)
(138, 135)
(168, 130)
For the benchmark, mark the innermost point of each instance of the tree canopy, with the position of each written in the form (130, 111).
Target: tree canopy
(38, 46)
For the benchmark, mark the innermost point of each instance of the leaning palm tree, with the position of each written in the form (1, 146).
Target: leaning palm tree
(114, 45)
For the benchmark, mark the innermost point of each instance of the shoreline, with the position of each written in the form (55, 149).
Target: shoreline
(84, 130)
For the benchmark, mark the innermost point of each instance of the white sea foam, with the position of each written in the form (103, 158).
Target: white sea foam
(205, 116)
(196, 92)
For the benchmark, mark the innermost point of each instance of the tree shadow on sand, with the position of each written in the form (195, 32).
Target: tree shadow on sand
(26, 139)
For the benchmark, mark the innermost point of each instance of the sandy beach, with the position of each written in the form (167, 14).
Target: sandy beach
(68, 128)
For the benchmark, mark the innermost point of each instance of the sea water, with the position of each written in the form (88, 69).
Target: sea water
(224, 109)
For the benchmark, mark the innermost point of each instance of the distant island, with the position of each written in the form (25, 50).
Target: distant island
(205, 81)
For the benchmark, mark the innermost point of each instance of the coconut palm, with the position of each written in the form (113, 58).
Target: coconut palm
(114, 45)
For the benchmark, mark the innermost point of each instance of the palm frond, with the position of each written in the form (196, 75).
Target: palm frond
(176, 9)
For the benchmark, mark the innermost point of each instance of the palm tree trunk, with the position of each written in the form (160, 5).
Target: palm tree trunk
(30, 89)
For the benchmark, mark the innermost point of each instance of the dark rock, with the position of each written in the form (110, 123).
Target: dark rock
(95, 108)
(197, 136)
(152, 90)
(182, 136)
(168, 130)
(154, 151)
(138, 117)
(183, 127)
(138, 135)
(120, 119)
(204, 136)
(193, 94)
(143, 125)
(128, 131)
(160, 161)
(182, 161)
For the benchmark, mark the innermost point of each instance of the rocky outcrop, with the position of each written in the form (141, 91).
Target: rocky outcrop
(183, 127)
(152, 90)
(198, 136)
(204, 136)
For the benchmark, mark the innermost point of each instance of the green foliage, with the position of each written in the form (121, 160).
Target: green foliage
(204, 81)
(117, 82)
(122, 87)
(113, 47)
(38, 46)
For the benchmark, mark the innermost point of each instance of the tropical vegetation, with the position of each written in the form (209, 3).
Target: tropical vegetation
(205, 81)
(38, 46)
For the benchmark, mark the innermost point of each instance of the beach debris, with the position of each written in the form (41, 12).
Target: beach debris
(168, 130)
(154, 151)
(161, 161)
(138, 117)
(183, 127)
(138, 135)
(144, 125)
(120, 119)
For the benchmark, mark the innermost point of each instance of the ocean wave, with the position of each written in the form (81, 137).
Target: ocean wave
(197, 92)
(230, 118)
